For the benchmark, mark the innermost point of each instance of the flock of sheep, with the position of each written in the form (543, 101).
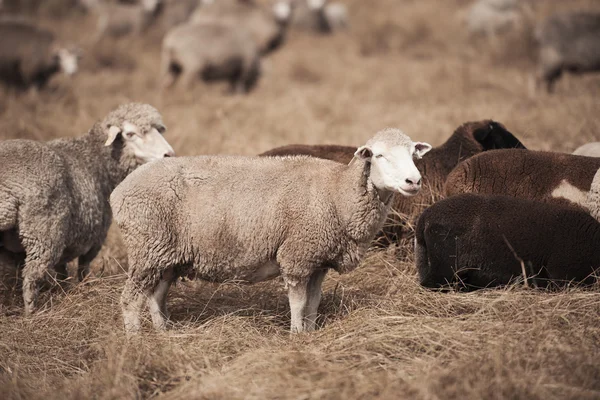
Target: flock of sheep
(228, 39)
(509, 214)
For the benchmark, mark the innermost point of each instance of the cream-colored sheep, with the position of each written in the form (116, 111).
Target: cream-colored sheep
(250, 219)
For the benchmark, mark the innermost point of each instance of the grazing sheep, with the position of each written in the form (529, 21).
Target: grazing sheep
(488, 240)
(591, 149)
(467, 140)
(30, 56)
(54, 195)
(534, 175)
(567, 42)
(266, 27)
(121, 19)
(211, 51)
(251, 219)
(336, 15)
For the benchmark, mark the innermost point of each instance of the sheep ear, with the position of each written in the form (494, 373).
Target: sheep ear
(421, 148)
(113, 132)
(364, 153)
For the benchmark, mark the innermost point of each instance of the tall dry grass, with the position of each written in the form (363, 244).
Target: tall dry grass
(407, 64)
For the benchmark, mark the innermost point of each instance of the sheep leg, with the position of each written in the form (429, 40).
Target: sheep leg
(314, 298)
(132, 301)
(157, 302)
(297, 295)
(33, 277)
(83, 264)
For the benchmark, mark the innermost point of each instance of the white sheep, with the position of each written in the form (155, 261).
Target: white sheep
(121, 19)
(54, 195)
(250, 219)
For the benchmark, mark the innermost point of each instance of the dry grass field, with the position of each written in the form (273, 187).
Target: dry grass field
(407, 64)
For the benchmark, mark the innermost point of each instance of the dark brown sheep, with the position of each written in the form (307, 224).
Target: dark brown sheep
(568, 42)
(30, 56)
(479, 241)
(467, 140)
(534, 175)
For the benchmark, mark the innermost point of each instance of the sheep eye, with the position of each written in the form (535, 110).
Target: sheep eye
(379, 156)
(160, 128)
(129, 134)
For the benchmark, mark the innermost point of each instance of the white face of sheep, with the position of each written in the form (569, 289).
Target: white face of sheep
(68, 61)
(315, 4)
(392, 167)
(146, 146)
(282, 10)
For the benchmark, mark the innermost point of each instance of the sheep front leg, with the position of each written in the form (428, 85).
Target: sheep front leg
(83, 264)
(314, 299)
(297, 295)
(33, 276)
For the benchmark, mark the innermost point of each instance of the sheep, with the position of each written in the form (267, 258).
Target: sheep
(121, 19)
(534, 175)
(266, 27)
(336, 15)
(212, 51)
(467, 140)
(311, 15)
(30, 56)
(567, 42)
(490, 17)
(591, 149)
(176, 12)
(251, 219)
(480, 241)
(54, 195)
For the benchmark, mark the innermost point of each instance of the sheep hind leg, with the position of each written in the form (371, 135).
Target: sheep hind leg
(297, 295)
(157, 301)
(314, 299)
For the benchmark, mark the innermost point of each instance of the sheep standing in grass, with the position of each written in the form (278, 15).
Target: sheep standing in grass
(267, 28)
(567, 42)
(210, 51)
(30, 56)
(490, 17)
(251, 219)
(534, 175)
(481, 241)
(118, 19)
(54, 196)
(467, 140)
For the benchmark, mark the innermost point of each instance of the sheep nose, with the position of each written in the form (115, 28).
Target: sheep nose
(411, 181)
(170, 153)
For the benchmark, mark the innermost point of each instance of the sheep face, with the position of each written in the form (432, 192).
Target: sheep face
(390, 154)
(145, 144)
(282, 10)
(68, 60)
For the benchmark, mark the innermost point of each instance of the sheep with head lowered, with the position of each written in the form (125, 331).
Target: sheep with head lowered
(249, 219)
(30, 56)
(467, 140)
(54, 195)
(479, 241)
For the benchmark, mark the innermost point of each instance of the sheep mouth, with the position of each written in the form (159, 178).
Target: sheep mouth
(409, 192)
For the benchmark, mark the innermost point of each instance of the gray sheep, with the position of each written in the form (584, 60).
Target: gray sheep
(30, 56)
(250, 219)
(267, 28)
(567, 42)
(478, 241)
(534, 175)
(467, 140)
(54, 195)
(121, 19)
(211, 51)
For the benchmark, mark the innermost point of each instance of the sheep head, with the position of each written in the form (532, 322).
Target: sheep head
(141, 129)
(390, 157)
